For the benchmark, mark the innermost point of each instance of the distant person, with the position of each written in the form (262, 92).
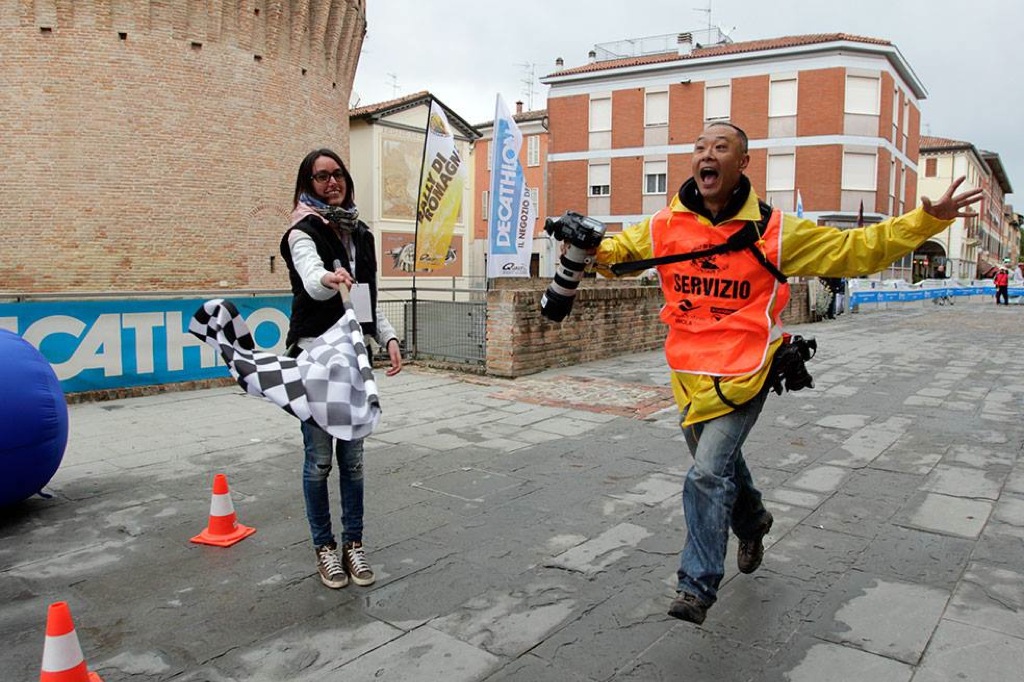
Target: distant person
(327, 247)
(723, 311)
(835, 286)
(1002, 282)
(943, 298)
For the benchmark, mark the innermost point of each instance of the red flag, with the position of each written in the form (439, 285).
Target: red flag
(860, 216)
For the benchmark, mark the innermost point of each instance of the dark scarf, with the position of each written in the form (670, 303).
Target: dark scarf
(691, 198)
(344, 218)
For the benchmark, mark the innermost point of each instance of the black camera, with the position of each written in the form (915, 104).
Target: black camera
(789, 367)
(582, 234)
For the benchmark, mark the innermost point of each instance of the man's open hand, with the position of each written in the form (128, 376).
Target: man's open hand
(950, 206)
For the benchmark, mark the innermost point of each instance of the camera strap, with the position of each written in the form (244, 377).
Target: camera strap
(721, 396)
(788, 368)
(745, 238)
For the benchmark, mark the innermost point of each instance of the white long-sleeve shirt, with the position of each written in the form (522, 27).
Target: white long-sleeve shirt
(311, 271)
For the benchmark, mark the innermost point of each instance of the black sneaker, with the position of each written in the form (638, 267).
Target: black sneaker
(689, 607)
(751, 551)
(328, 565)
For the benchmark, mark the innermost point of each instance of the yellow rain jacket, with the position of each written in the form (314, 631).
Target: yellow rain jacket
(807, 250)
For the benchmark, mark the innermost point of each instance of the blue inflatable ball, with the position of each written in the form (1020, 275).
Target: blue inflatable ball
(33, 420)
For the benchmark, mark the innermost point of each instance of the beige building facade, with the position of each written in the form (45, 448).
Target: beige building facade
(971, 247)
(386, 141)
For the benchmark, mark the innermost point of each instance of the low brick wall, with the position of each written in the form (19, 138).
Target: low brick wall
(798, 310)
(608, 318)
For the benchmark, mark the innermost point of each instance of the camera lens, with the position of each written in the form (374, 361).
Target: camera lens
(583, 234)
(554, 306)
(556, 302)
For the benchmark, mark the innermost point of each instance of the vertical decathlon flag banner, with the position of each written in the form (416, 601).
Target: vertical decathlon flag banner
(511, 214)
(799, 205)
(442, 179)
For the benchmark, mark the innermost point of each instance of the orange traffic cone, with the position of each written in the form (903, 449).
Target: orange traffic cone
(224, 529)
(62, 656)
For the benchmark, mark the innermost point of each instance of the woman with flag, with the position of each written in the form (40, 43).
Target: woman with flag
(325, 229)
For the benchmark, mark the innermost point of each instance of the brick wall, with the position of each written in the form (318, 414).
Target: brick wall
(749, 106)
(608, 318)
(567, 186)
(820, 102)
(885, 170)
(685, 112)
(913, 153)
(627, 176)
(757, 170)
(628, 118)
(885, 121)
(573, 113)
(819, 172)
(152, 145)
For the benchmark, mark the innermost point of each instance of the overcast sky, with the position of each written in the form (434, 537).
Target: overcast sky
(968, 55)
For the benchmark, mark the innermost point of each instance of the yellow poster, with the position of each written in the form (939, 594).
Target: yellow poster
(442, 180)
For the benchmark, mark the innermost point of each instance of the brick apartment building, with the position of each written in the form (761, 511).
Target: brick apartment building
(833, 116)
(533, 158)
(975, 246)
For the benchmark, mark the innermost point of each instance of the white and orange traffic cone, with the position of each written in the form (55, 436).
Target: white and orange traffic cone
(223, 529)
(62, 655)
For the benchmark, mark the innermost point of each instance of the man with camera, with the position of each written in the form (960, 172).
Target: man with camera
(723, 258)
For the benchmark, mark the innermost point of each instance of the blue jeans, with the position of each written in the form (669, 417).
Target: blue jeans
(318, 446)
(718, 493)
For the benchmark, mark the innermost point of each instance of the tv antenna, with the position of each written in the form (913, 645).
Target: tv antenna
(394, 84)
(528, 80)
(707, 11)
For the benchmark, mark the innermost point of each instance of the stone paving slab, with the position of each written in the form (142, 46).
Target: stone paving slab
(959, 652)
(529, 530)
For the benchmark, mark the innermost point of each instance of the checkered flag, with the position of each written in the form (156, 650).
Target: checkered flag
(330, 385)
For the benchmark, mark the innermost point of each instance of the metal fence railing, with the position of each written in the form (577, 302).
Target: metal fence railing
(442, 324)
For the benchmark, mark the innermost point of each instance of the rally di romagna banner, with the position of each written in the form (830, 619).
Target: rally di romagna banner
(511, 213)
(442, 179)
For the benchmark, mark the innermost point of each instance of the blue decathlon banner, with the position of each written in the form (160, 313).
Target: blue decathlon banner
(511, 213)
(105, 344)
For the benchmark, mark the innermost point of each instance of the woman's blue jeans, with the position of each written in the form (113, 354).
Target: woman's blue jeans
(719, 493)
(318, 446)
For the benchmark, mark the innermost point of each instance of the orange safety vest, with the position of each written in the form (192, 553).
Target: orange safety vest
(722, 311)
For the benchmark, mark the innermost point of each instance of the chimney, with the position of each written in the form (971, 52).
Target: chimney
(592, 56)
(559, 63)
(684, 43)
(519, 106)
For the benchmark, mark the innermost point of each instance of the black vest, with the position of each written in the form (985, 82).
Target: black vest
(311, 317)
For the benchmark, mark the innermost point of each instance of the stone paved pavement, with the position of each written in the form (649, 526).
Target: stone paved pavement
(529, 530)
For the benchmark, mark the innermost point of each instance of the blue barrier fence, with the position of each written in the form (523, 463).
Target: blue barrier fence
(860, 296)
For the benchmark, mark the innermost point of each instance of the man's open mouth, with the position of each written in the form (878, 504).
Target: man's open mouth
(708, 177)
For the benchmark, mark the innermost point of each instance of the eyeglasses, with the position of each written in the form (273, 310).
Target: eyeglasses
(323, 176)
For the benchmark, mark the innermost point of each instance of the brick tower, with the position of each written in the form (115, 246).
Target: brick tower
(153, 144)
